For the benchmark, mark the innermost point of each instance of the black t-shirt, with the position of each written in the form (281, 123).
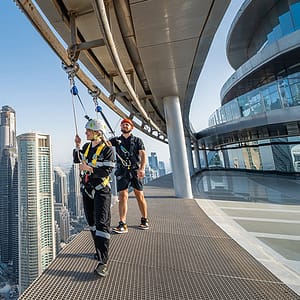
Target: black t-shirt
(128, 149)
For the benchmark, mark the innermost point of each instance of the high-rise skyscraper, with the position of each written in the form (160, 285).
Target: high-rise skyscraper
(75, 198)
(152, 160)
(161, 168)
(64, 224)
(8, 189)
(36, 212)
(60, 187)
(7, 128)
(62, 218)
(62, 215)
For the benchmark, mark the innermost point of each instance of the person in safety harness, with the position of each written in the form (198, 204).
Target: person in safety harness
(131, 162)
(96, 162)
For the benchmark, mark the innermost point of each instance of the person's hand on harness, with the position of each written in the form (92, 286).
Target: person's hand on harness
(86, 168)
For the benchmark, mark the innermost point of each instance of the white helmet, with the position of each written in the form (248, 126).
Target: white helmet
(96, 125)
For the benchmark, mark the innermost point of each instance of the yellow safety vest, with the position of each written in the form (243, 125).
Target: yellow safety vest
(94, 160)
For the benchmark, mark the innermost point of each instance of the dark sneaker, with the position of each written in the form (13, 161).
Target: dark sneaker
(121, 228)
(101, 270)
(144, 224)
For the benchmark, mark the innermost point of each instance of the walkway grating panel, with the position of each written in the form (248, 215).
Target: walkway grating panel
(183, 255)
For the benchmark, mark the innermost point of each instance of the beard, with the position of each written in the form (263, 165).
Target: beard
(125, 130)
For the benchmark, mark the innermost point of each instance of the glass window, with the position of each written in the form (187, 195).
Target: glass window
(214, 160)
(235, 110)
(270, 96)
(236, 159)
(202, 154)
(223, 114)
(275, 35)
(211, 120)
(218, 117)
(295, 151)
(266, 157)
(255, 102)
(282, 155)
(294, 139)
(244, 106)
(295, 93)
(252, 157)
(294, 84)
(285, 92)
(228, 112)
(265, 94)
(286, 24)
(295, 12)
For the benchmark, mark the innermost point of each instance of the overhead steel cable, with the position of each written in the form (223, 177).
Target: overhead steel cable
(99, 7)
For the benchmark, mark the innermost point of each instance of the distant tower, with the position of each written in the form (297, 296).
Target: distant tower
(36, 213)
(62, 218)
(60, 187)
(8, 189)
(152, 160)
(75, 198)
(64, 224)
(7, 128)
(57, 237)
(161, 168)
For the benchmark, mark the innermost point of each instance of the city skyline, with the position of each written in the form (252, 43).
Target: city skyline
(35, 85)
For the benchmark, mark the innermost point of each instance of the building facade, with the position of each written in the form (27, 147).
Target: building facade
(62, 218)
(9, 190)
(75, 198)
(153, 161)
(60, 187)
(36, 212)
(258, 125)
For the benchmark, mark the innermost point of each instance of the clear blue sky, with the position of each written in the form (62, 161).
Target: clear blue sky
(34, 84)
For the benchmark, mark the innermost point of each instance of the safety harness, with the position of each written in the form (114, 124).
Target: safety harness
(105, 181)
(129, 159)
(95, 156)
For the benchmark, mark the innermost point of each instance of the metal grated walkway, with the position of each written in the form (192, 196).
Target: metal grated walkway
(183, 255)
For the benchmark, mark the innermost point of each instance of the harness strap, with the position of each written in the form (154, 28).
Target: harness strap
(105, 163)
(103, 184)
(100, 186)
(105, 181)
(95, 157)
(131, 160)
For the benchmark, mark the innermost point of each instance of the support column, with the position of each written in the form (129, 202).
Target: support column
(189, 152)
(177, 147)
(196, 154)
(225, 158)
(205, 157)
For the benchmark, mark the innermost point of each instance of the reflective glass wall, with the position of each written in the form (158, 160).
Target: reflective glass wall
(278, 154)
(281, 93)
(288, 22)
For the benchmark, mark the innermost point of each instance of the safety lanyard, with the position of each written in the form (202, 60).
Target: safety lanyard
(95, 156)
(127, 162)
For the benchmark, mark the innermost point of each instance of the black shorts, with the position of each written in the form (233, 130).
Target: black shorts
(128, 178)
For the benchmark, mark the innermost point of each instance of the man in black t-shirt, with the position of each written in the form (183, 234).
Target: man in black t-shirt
(131, 162)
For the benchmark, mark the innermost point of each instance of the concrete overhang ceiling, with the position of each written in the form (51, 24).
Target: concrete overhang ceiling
(161, 46)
